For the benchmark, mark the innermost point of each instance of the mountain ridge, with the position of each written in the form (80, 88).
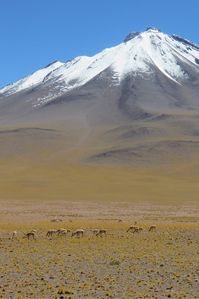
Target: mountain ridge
(126, 104)
(133, 55)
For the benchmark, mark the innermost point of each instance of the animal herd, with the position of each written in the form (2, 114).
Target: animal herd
(137, 229)
(79, 233)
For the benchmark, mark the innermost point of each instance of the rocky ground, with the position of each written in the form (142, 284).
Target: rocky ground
(159, 264)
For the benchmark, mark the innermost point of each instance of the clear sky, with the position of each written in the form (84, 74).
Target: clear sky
(34, 33)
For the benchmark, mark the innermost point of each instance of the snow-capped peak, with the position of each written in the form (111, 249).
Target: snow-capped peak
(153, 29)
(139, 54)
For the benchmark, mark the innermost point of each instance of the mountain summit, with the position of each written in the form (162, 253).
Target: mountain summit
(140, 97)
(141, 55)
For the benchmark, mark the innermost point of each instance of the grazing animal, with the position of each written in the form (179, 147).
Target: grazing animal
(14, 235)
(33, 231)
(152, 228)
(51, 232)
(132, 229)
(136, 230)
(95, 231)
(101, 233)
(29, 235)
(78, 233)
(63, 232)
(60, 230)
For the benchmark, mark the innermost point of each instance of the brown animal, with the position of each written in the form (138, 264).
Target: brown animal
(78, 233)
(63, 232)
(133, 229)
(152, 228)
(51, 232)
(29, 235)
(101, 233)
(95, 231)
(14, 235)
(136, 230)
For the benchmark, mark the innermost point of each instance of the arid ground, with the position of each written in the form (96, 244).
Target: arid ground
(159, 264)
(42, 179)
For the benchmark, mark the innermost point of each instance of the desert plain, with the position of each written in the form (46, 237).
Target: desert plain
(159, 264)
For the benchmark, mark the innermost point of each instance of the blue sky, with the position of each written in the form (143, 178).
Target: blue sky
(34, 33)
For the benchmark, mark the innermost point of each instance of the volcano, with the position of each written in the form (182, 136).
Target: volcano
(135, 104)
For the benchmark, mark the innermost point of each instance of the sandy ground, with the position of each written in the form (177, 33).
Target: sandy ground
(40, 184)
(26, 212)
(160, 264)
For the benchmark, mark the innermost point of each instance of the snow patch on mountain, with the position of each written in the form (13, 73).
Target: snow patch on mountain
(30, 81)
(137, 55)
(159, 52)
